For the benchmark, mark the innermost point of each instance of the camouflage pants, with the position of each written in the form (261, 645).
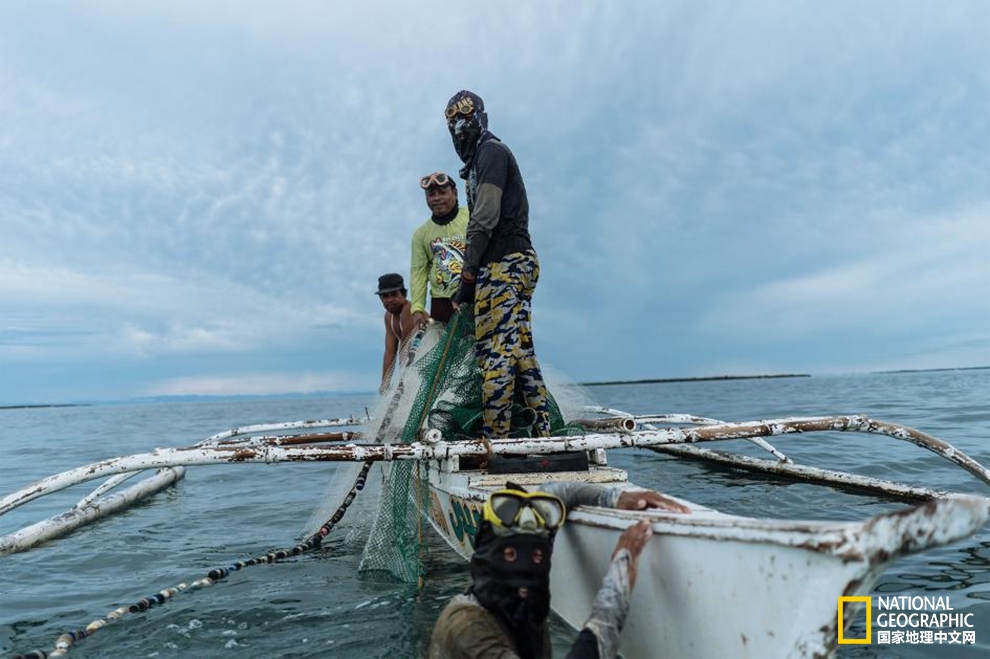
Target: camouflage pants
(505, 343)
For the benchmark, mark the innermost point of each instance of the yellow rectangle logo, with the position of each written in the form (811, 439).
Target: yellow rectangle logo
(868, 601)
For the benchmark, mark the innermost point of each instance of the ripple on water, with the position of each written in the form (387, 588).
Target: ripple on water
(317, 606)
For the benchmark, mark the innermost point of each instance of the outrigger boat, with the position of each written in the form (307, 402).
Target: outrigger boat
(773, 583)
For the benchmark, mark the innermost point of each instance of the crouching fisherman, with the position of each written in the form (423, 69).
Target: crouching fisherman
(503, 614)
(399, 323)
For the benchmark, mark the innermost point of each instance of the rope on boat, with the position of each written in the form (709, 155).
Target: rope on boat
(66, 640)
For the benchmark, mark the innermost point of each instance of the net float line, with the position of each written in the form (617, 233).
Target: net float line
(66, 640)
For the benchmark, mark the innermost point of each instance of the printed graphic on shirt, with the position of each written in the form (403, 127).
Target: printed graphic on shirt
(471, 187)
(448, 256)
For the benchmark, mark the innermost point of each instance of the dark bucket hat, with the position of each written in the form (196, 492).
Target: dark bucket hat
(390, 283)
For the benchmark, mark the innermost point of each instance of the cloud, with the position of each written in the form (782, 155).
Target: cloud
(709, 186)
(254, 384)
(924, 272)
(63, 311)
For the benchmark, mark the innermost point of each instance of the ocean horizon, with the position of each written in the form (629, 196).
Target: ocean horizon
(294, 395)
(318, 604)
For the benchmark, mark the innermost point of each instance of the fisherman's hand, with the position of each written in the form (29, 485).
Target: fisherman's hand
(643, 499)
(464, 294)
(634, 539)
(420, 318)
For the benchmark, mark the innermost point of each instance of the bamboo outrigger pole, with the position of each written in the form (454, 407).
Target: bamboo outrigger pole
(270, 453)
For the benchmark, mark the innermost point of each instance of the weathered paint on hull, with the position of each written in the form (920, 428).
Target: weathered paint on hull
(699, 597)
(715, 585)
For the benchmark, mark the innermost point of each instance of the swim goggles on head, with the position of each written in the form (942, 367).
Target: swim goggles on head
(464, 106)
(436, 178)
(506, 508)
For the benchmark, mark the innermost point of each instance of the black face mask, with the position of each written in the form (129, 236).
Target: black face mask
(466, 121)
(497, 581)
(465, 133)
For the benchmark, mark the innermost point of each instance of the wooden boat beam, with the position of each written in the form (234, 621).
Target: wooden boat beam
(290, 425)
(88, 510)
(647, 420)
(199, 455)
(839, 479)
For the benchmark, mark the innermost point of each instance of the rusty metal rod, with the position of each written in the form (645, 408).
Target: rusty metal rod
(803, 472)
(291, 440)
(620, 424)
(442, 450)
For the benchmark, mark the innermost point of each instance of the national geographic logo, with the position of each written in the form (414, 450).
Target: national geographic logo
(869, 621)
(903, 619)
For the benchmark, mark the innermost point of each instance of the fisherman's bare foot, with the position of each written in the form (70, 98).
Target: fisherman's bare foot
(649, 499)
(634, 539)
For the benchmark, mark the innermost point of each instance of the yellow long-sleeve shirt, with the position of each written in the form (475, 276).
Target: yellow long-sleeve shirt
(437, 258)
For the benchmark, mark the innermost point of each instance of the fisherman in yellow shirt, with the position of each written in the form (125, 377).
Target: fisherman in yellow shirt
(438, 250)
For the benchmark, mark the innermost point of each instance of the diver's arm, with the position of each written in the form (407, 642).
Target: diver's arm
(610, 608)
(611, 605)
(575, 494)
(611, 496)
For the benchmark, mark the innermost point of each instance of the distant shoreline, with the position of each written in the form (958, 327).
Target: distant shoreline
(34, 407)
(700, 379)
(327, 394)
(932, 370)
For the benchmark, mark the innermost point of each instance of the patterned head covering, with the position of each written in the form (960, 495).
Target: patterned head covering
(467, 121)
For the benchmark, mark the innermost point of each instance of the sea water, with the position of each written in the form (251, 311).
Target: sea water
(318, 605)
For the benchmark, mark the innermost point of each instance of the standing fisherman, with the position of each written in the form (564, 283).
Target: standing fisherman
(500, 269)
(437, 250)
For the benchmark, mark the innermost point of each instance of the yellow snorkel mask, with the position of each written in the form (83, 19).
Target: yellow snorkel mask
(515, 511)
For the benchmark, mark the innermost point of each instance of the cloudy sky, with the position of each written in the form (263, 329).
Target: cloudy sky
(198, 197)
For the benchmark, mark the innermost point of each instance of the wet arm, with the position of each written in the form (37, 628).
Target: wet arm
(583, 494)
(391, 348)
(611, 605)
(609, 610)
(615, 496)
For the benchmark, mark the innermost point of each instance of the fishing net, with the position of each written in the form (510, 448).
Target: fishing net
(439, 389)
(391, 405)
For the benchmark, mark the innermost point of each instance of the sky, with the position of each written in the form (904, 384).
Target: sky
(198, 197)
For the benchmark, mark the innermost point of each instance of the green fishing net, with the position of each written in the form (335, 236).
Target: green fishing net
(449, 396)
(439, 389)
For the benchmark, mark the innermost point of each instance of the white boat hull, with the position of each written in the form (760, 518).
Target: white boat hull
(699, 596)
(709, 584)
